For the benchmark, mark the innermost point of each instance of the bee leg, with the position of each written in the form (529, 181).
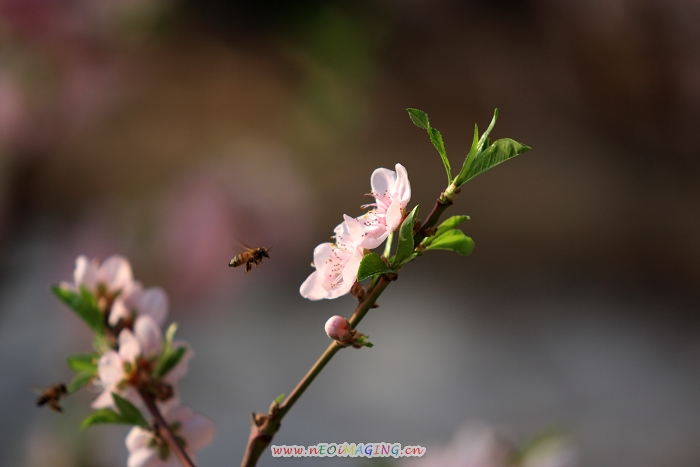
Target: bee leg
(248, 267)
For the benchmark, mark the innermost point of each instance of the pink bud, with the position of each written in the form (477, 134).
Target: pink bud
(337, 328)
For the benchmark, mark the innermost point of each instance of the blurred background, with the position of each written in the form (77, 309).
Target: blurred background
(164, 130)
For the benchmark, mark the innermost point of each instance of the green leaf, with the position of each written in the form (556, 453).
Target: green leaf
(439, 144)
(453, 240)
(83, 362)
(169, 336)
(129, 411)
(84, 305)
(80, 380)
(419, 118)
(168, 363)
(405, 247)
(103, 416)
(468, 160)
(278, 400)
(484, 141)
(448, 224)
(372, 265)
(499, 151)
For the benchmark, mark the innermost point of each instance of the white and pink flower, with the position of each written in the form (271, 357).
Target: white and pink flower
(392, 192)
(337, 328)
(117, 369)
(146, 449)
(111, 277)
(136, 301)
(336, 263)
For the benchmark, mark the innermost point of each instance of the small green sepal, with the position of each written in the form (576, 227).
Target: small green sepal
(278, 400)
(168, 361)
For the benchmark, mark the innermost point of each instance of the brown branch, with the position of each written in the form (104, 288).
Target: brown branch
(264, 426)
(164, 429)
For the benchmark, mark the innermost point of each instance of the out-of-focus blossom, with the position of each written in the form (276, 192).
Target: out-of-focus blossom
(480, 445)
(392, 192)
(109, 278)
(148, 449)
(336, 263)
(137, 301)
(120, 370)
(337, 328)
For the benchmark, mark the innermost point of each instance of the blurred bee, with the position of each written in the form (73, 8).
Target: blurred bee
(249, 257)
(51, 396)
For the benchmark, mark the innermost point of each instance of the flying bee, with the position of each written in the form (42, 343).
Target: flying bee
(51, 396)
(249, 257)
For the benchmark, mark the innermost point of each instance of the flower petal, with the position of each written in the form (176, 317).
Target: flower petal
(383, 181)
(148, 335)
(118, 311)
(153, 302)
(312, 288)
(179, 370)
(85, 273)
(393, 217)
(110, 368)
(144, 458)
(115, 273)
(351, 268)
(403, 186)
(105, 399)
(129, 347)
(198, 431)
(138, 438)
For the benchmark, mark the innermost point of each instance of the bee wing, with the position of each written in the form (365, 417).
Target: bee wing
(243, 245)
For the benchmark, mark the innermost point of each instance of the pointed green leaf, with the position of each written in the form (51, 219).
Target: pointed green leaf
(419, 118)
(469, 159)
(169, 361)
(84, 305)
(103, 416)
(499, 151)
(129, 411)
(453, 240)
(372, 265)
(83, 362)
(439, 144)
(448, 224)
(278, 400)
(80, 380)
(405, 247)
(484, 141)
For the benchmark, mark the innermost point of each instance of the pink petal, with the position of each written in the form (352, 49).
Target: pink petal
(118, 311)
(393, 217)
(105, 399)
(198, 431)
(148, 335)
(383, 181)
(129, 347)
(153, 302)
(115, 273)
(138, 438)
(403, 186)
(312, 288)
(351, 268)
(145, 458)
(110, 368)
(85, 273)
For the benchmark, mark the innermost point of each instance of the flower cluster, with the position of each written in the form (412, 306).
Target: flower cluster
(135, 365)
(337, 263)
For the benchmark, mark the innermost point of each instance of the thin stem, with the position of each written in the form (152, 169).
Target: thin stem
(263, 431)
(164, 429)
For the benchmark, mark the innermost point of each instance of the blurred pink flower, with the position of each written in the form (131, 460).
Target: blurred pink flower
(147, 449)
(111, 277)
(336, 263)
(135, 301)
(116, 368)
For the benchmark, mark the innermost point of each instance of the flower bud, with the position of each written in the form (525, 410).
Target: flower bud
(337, 328)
